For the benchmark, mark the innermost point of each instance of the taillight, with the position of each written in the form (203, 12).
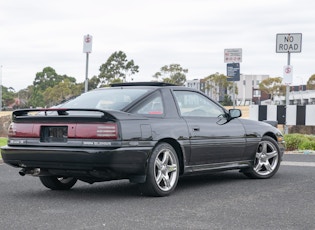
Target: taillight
(97, 131)
(11, 130)
(21, 130)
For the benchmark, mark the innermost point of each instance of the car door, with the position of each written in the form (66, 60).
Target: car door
(212, 140)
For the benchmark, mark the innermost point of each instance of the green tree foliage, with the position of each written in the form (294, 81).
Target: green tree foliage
(173, 74)
(218, 83)
(272, 86)
(49, 78)
(61, 92)
(50, 88)
(24, 97)
(117, 68)
(36, 98)
(8, 95)
(310, 85)
(227, 101)
(93, 83)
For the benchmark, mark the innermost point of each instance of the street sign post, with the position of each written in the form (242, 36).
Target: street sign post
(287, 74)
(288, 43)
(233, 71)
(233, 55)
(87, 48)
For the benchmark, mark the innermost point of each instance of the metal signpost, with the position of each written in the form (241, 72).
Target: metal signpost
(87, 48)
(1, 88)
(233, 57)
(288, 43)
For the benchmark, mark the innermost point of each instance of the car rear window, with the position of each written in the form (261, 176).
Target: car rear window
(106, 99)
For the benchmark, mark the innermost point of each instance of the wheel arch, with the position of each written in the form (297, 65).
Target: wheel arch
(272, 135)
(178, 150)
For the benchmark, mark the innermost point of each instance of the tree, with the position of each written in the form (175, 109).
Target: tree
(272, 86)
(24, 96)
(218, 85)
(310, 85)
(8, 95)
(117, 68)
(173, 74)
(47, 78)
(93, 83)
(61, 92)
(51, 88)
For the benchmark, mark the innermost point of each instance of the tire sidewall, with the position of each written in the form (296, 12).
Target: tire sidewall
(254, 174)
(53, 183)
(151, 165)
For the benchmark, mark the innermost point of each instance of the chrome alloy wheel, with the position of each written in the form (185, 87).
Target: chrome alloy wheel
(165, 170)
(267, 158)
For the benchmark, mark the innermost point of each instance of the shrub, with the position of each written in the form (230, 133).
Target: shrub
(293, 141)
(307, 145)
(298, 141)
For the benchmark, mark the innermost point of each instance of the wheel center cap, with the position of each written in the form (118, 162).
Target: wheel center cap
(164, 169)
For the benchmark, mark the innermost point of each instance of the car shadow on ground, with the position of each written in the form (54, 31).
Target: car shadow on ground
(123, 189)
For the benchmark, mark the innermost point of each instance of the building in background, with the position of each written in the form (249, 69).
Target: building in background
(215, 92)
(248, 89)
(249, 92)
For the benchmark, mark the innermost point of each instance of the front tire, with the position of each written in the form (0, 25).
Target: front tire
(162, 171)
(58, 183)
(267, 159)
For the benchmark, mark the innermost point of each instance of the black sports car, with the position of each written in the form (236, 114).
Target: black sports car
(150, 133)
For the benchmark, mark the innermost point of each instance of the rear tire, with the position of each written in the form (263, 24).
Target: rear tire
(267, 159)
(162, 171)
(58, 183)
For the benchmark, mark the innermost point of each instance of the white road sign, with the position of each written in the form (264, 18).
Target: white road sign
(287, 74)
(289, 43)
(87, 44)
(232, 55)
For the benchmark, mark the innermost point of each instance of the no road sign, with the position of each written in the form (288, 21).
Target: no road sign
(289, 43)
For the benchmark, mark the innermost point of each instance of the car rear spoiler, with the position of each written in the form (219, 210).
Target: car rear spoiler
(25, 113)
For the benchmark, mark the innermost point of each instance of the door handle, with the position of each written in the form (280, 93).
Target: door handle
(196, 128)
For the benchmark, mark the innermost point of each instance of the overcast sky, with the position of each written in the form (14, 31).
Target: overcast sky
(193, 33)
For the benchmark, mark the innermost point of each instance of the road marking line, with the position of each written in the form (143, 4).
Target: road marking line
(296, 163)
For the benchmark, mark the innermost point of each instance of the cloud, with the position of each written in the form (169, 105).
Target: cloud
(192, 33)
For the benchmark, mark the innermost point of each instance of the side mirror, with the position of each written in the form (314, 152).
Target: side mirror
(235, 113)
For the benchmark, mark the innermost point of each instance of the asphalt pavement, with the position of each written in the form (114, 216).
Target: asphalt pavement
(227, 200)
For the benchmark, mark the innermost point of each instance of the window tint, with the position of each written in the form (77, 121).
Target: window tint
(196, 104)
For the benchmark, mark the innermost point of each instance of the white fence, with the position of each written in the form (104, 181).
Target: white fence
(289, 115)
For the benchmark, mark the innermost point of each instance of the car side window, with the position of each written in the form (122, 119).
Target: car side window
(195, 104)
(152, 106)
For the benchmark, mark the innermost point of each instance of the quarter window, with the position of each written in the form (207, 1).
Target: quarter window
(152, 106)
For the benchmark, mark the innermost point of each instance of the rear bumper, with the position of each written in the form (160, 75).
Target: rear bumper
(119, 160)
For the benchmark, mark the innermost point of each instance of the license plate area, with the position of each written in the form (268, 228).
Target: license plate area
(54, 134)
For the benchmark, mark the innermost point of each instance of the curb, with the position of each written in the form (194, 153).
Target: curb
(303, 152)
